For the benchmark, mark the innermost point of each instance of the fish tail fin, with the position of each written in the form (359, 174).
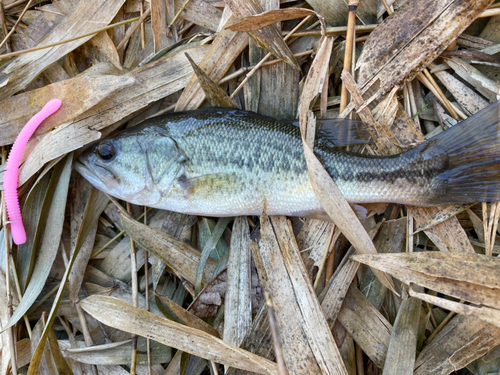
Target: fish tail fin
(472, 153)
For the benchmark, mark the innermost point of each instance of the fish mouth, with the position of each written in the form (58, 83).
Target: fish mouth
(90, 175)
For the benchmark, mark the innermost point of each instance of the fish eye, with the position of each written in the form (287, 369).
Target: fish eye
(106, 151)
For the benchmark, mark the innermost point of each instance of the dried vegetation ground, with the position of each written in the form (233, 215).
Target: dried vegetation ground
(104, 287)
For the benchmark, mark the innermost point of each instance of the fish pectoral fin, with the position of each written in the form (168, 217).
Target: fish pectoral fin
(213, 183)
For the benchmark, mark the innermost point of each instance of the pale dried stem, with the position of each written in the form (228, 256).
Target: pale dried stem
(146, 294)
(17, 53)
(244, 70)
(387, 7)
(406, 100)
(422, 78)
(261, 62)
(143, 27)
(324, 95)
(490, 226)
(495, 226)
(349, 42)
(413, 104)
(14, 27)
(485, 227)
(95, 254)
(133, 28)
(359, 360)
(85, 328)
(489, 13)
(19, 294)
(135, 294)
(329, 267)
(13, 5)
(433, 318)
(49, 294)
(441, 326)
(409, 234)
(4, 25)
(8, 255)
(278, 349)
(13, 361)
(179, 12)
(325, 257)
(441, 94)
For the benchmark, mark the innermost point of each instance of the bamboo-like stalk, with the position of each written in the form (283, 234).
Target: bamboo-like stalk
(143, 27)
(349, 42)
(146, 293)
(359, 360)
(135, 295)
(441, 94)
(8, 254)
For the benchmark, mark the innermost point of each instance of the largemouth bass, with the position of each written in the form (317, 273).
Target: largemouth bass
(225, 162)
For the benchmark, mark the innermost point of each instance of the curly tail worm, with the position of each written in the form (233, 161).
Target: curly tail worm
(11, 175)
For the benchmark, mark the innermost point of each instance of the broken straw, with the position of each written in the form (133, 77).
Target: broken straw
(11, 175)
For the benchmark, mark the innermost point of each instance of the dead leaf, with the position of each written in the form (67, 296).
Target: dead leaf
(180, 257)
(118, 314)
(86, 17)
(266, 37)
(397, 60)
(448, 273)
(213, 92)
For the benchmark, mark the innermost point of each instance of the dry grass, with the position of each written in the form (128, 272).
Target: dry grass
(104, 288)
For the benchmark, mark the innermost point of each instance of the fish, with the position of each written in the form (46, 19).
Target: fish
(225, 162)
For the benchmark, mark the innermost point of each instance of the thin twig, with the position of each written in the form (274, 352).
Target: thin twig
(349, 42)
(422, 78)
(244, 70)
(133, 28)
(261, 62)
(4, 25)
(20, 294)
(13, 5)
(96, 253)
(15, 25)
(143, 27)
(179, 12)
(441, 94)
(441, 326)
(17, 53)
(387, 7)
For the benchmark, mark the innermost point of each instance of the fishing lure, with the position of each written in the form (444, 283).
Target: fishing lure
(11, 176)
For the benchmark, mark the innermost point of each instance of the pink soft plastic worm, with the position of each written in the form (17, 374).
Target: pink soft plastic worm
(11, 175)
